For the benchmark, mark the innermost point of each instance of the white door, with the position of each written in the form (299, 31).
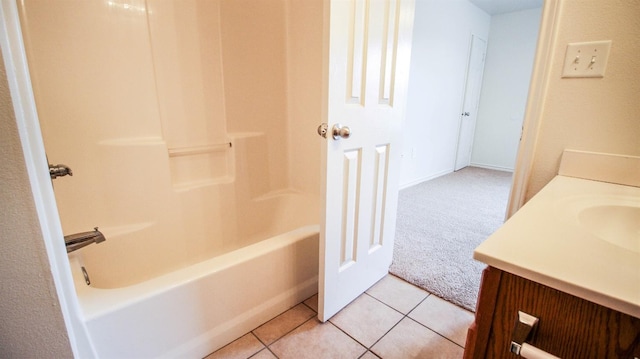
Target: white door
(369, 45)
(469, 113)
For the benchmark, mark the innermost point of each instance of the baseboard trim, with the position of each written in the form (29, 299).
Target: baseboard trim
(424, 179)
(445, 172)
(491, 167)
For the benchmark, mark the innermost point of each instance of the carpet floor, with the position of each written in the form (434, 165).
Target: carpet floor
(440, 222)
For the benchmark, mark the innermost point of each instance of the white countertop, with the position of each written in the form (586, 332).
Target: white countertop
(544, 242)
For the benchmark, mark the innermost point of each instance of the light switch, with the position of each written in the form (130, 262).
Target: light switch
(586, 59)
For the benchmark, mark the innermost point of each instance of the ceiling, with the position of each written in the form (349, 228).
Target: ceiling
(493, 7)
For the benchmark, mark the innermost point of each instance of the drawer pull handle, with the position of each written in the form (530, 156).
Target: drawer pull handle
(531, 352)
(521, 332)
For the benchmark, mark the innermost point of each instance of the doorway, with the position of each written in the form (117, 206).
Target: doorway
(440, 55)
(434, 111)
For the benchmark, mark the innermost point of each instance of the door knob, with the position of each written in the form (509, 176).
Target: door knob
(340, 131)
(465, 114)
(337, 131)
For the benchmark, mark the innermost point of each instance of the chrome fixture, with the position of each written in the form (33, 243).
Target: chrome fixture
(526, 325)
(522, 331)
(79, 240)
(59, 170)
(337, 131)
(340, 131)
(86, 276)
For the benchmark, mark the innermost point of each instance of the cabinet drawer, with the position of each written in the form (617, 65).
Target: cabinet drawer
(569, 327)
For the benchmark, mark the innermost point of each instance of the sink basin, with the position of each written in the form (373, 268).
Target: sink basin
(615, 219)
(616, 224)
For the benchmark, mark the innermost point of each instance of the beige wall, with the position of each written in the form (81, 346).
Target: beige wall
(32, 324)
(601, 115)
(304, 96)
(253, 35)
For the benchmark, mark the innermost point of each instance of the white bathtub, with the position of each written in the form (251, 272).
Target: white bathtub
(193, 311)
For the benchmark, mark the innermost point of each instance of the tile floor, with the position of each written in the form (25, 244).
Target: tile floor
(393, 319)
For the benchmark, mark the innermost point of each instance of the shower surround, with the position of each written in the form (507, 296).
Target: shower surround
(189, 126)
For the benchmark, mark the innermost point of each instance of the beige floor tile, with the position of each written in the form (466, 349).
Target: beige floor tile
(274, 329)
(443, 317)
(264, 354)
(409, 340)
(369, 355)
(317, 340)
(312, 303)
(241, 348)
(366, 319)
(397, 293)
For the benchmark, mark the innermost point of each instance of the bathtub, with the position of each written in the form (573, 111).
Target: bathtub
(193, 311)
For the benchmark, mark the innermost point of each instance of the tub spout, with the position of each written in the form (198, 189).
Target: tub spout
(79, 240)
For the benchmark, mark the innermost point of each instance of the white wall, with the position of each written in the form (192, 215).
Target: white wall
(441, 38)
(509, 62)
(591, 114)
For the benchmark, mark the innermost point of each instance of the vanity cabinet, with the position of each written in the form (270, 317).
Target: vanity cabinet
(568, 327)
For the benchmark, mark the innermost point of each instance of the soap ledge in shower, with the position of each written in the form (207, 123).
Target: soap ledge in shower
(188, 186)
(196, 150)
(197, 168)
(277, 193)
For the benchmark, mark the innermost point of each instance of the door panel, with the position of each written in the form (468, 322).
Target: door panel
(471, 100)
(368, 61)
(350, 195)
(379, 195)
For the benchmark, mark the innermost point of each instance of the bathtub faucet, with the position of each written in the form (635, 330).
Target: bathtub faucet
(79, 240)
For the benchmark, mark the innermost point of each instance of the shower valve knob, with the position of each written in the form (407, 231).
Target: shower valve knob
(56, 171)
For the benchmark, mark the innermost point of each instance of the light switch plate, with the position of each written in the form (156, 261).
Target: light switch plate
(586, 59)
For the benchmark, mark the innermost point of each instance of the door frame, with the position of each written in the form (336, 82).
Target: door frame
(16, 67)
(540, 76)
(24, 107)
